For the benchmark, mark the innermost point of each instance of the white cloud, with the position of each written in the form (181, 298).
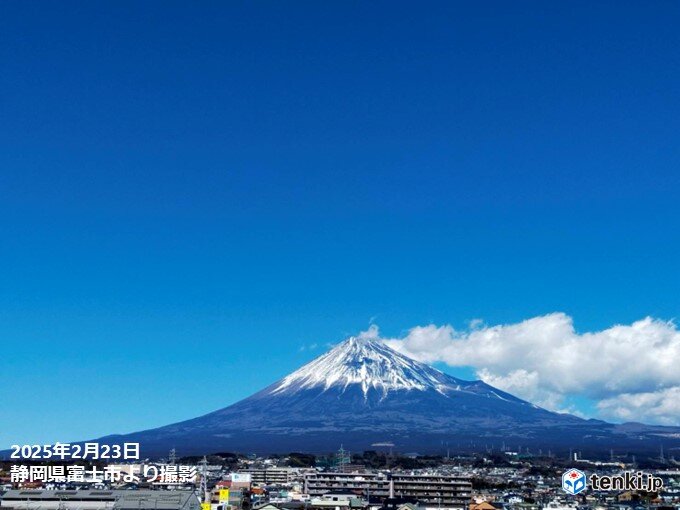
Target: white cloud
(631, 371)
(371, 333)
(661, 406)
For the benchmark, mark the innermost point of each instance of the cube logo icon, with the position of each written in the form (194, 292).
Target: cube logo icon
(574, 481)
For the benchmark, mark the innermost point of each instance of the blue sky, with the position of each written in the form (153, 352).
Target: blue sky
(192, 192)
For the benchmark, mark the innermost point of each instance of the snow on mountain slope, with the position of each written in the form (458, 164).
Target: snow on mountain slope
(372, 365)
(366, 362)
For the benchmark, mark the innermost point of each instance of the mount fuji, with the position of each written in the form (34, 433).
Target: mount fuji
(362, 392)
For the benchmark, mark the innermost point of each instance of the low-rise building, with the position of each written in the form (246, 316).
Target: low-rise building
(98, 500)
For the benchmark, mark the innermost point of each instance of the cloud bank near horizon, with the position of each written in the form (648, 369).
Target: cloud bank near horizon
(631, 372)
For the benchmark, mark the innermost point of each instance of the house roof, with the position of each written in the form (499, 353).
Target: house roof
(483, 505)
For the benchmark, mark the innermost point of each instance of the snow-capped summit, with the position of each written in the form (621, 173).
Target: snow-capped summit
(368, 362)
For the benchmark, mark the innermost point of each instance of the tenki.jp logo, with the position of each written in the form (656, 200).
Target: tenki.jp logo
(574, 481)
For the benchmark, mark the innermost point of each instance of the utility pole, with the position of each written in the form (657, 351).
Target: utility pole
(204, 479)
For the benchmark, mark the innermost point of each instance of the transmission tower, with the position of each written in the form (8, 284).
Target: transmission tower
(342, 459)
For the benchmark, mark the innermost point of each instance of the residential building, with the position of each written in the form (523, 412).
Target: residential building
(270, 475)
(98, 500)
(432, 491)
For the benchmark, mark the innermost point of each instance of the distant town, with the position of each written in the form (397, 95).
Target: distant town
(372, 480)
